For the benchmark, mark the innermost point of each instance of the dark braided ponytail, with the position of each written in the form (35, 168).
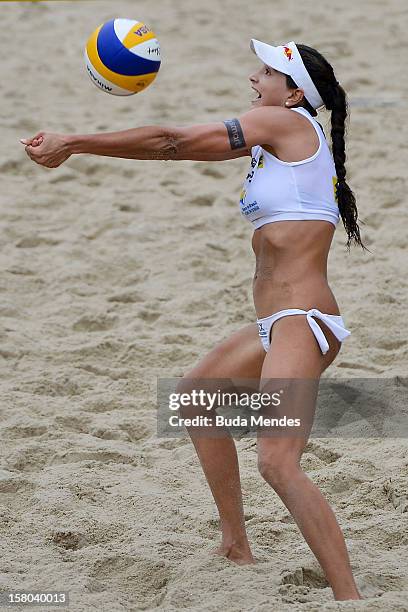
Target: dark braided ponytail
(335, 100)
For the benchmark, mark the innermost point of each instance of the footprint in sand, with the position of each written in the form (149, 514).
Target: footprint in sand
(294, 594)
(207, 273)
(101, 456)
(28, 429)
(177, 339)
(17, 269)
(11, 482)
(63, 178)
(345, 476)
(303, 576)
(266, 531)
(72, 423)
(326, 455)
(7, 516)
(94, 323)
(8, 310)
(168, 182)
(108, 433)
(31, 242)
(89, 168)
(375, 584)
(29, 459)
(150, 316)
(391, 345)
(68, 540)
(203, 200)
(129, 173)
(133, 208)
(58, 387)
(112, 373)
(143, 580)
(105, 404)
(374, 220)
(128, 297)
(135, 430)
(15, 166)
(221, 92)
(211, 171)
(310, 462)
(396, 490)
(27, 125)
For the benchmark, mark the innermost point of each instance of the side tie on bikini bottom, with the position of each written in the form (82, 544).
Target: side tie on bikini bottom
(334, 323)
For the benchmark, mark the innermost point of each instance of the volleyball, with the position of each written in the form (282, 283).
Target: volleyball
(122, 57)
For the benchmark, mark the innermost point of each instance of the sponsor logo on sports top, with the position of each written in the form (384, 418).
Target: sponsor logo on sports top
(250, 174)
(288, 52)
(249, 208)
(334, 180)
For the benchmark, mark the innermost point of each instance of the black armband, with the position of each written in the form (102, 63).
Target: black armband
(235, 133)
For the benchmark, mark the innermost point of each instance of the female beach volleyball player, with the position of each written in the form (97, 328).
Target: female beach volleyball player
(294, 194)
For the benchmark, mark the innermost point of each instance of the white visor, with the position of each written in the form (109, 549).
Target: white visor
(287, 59)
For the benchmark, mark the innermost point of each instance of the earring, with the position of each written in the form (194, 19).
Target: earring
(286, 104)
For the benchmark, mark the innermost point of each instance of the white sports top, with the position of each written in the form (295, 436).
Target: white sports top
(276, 190)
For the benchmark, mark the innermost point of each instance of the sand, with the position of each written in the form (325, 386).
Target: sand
(117, 272)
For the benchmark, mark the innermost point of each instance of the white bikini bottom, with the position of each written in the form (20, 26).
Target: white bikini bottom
(334, 322)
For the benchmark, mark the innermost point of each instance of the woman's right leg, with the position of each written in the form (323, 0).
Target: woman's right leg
(239, 356)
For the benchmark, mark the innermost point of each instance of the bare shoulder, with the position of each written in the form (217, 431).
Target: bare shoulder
(272, 125)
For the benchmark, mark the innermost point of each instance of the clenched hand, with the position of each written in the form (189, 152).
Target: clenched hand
(49, 150)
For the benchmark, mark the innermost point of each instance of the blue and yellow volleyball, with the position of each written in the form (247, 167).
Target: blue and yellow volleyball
(122, 57)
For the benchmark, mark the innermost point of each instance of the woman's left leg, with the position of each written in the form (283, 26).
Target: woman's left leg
(295, 354)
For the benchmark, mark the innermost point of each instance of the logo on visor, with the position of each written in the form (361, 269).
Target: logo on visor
(288, 52)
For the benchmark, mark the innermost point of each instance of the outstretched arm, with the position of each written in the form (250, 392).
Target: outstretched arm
(208, 142)
(200, 142)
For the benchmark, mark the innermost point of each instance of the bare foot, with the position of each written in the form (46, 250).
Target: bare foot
(354, 595)
(238, 554)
